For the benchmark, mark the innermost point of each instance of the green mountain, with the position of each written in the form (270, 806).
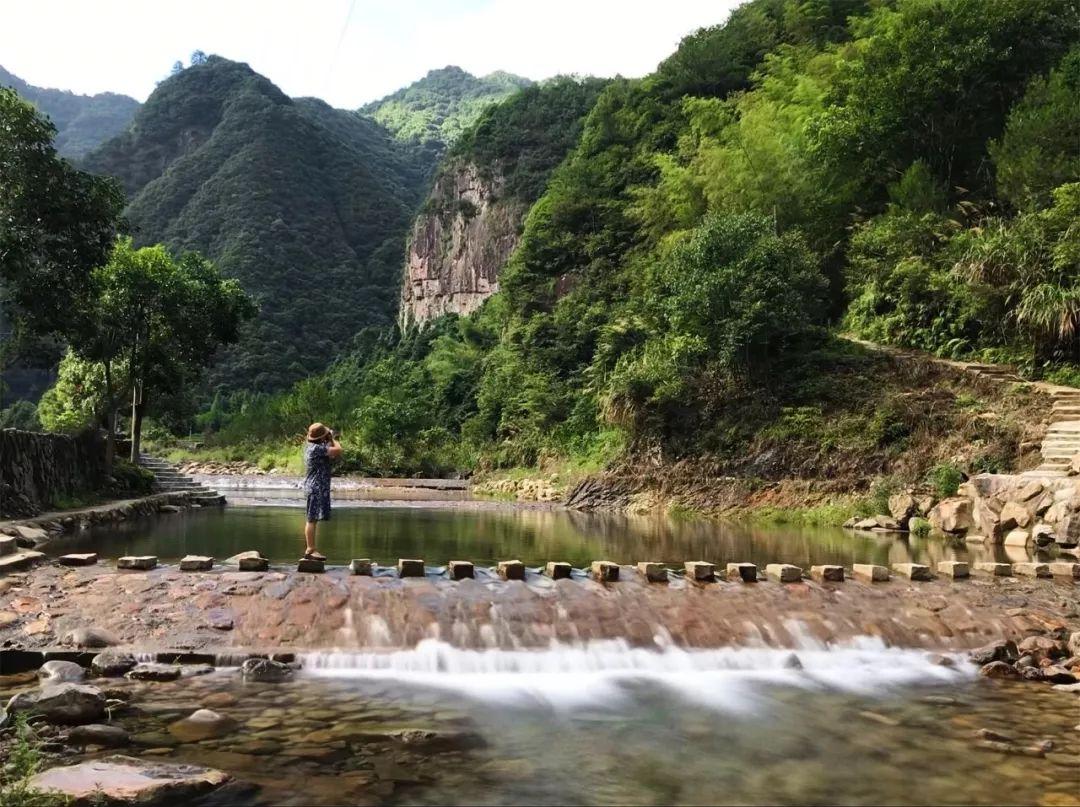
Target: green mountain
(306, 205)
(440, 106)
(82, 122)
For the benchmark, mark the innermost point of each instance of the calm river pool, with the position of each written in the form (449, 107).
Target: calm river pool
(485, 532)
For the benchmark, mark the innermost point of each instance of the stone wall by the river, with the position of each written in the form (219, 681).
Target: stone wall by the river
(37, 468)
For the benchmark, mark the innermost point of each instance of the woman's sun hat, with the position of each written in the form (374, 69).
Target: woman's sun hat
(317, 432)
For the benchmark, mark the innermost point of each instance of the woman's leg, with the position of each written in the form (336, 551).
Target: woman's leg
(309, 535)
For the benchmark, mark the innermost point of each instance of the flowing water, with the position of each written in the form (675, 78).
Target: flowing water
(607, 724)
(440, 529)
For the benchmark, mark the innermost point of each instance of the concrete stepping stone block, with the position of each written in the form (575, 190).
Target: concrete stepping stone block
(604, 571)
(993, 569)
(558, 570)
(827, 574)
(975, 538)
(700, 571)
(360, 566)
(953, 569)
(870, 572)
(311, 565)
(9, 545)
(78, 559)
(461, 569)
(1064, 568)
(196, 563)
(253, 563)
(653, 572)
(410, 567)
(140, 562)
(746, 572)
(511, 570)
(913, 571)
(1031, 569)
(783, 572)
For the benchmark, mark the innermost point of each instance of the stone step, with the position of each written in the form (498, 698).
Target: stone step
(8, 545)
(20, 561)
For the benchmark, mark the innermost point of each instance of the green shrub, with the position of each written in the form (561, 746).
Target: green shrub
(945, 479)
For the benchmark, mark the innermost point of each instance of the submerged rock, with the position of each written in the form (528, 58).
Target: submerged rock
(1004, 650)
(99, 734)
(999, 669)
(265, 670)
(60, 672)
(127, 780)
(61, 703)
(154, 672)
(90, 637)
(203, 724)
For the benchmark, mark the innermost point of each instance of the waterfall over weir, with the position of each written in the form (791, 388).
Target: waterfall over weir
(602, 672)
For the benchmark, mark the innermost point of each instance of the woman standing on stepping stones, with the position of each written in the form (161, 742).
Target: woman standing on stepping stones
(321, 447)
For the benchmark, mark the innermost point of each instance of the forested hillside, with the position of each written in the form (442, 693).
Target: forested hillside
(436, 109)
(307, 206)
(82, 122)
(906, 170)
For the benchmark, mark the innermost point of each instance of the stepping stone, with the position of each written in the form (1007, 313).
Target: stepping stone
(511, 570)
(1031, 569)
(461, 569)
(953, 569)
(870, 572)
(747, 572)
(196, 563)
(1064, 568)
(783, 572)
(699, 571)
(78, 559)
(311, 565)
(410, 567)
(995, 569)
(253, 564)
(8, 545)
(604, 571)
(828, 574)
(558, 570)
(142, 562)
(653, 572)
(360, 566)
(913, 571)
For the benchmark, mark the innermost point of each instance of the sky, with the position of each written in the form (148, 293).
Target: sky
(344, 51)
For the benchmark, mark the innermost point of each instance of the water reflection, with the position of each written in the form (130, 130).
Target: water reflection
(487, 532)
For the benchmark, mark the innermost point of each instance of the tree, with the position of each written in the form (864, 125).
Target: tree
(56, 223)
(165, 318)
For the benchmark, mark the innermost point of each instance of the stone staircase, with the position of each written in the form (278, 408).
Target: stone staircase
(1062, 440)
(170, 480)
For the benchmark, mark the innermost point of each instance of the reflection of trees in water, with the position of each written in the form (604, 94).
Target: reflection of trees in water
(532, 535)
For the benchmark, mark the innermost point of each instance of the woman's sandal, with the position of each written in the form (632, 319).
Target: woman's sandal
(313, 555)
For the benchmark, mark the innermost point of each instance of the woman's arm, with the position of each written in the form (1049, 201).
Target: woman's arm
(333, 450)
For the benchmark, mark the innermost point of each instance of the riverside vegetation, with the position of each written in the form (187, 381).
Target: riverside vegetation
(906, 171)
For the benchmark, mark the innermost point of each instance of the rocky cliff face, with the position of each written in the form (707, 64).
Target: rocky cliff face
(459, 244)
(36, 468)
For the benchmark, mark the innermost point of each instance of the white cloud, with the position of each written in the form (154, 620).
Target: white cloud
(128, 45)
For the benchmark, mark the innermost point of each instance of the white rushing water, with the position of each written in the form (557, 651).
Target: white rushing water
(606, 672)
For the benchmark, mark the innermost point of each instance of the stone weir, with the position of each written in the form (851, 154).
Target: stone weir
(57, 611)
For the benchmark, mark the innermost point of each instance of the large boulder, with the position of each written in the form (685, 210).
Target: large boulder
(265, 670)
(127, 780)
(1014, 515)
(103, 734)
(63, 703)
(903, 507)
(952, 515)
(60, 672)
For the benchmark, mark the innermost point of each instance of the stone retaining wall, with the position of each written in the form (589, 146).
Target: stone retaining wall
(36, 468)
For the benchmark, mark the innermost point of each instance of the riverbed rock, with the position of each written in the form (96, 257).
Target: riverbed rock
(1001, 650)
(61, 703)
(112, 663)
(128, 780)
(202, 724)
(265, 670)
(60, 672)
(104, 734)
(952, 515)
(90, 637)
(152, 671)
(1040, 647)
(999, 669)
